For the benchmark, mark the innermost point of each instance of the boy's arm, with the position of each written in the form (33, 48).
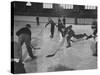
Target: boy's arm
(47, 24)
(19, 32)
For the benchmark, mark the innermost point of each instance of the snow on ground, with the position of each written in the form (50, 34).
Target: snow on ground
(77, 57)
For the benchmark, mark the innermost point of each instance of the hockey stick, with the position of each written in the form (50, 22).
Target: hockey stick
(35, 48)
(51, 55)
(61, 44)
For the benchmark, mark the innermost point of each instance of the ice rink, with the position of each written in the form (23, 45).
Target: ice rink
(77, 57)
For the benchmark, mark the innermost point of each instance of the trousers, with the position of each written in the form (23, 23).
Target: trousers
(24, 38)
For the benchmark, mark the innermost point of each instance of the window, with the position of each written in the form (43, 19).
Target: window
(63, 6)
(66, 6)
(69, 6)
(47, 5)
(90, 7)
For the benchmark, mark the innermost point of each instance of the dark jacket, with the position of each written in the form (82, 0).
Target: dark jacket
(60, 26)
(24, 30)
(52, 24)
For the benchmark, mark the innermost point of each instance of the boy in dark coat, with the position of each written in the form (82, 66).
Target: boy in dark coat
(60, 27)
(24, 36)
(64, 20)
(37, 21)
(51, 22)
(71, 33)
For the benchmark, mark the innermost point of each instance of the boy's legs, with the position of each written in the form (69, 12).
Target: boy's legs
(68, 41)
(20, 43)
(52, 32)
(28, 46)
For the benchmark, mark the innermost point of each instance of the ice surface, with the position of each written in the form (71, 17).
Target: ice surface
(79, 56)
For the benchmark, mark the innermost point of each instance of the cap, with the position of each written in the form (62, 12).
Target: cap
(28, 25)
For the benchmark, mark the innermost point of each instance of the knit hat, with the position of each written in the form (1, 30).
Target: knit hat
(28, 25)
